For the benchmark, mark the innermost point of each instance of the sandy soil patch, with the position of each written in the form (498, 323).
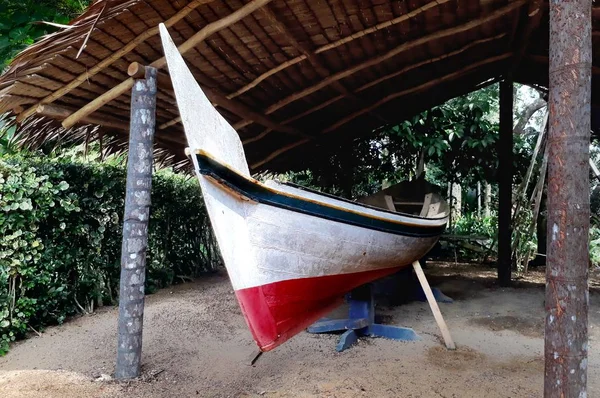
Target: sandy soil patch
(196, 344)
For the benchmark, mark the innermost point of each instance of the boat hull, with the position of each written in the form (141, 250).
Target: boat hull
(289, 268)
(291, 253)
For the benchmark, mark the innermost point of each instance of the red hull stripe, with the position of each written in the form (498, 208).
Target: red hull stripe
(278, 311)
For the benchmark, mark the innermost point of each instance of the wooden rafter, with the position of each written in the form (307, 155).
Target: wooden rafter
(170, 123)
(313, 58)
(534, 16)
(376, 82)
(412, 90)
(57, 112)
(161, 62)
(399, 49)
(338, 43)
(416, 89)
(100, 66)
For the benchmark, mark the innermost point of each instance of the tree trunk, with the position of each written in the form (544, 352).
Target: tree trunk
(566, 334)
(527, 113)
(487, 200)
(456, 192)
(478, 199)
(135, 226)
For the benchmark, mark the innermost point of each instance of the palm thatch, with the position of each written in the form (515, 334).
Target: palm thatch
(289, 75)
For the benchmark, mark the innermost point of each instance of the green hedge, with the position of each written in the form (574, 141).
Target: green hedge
(60, 239)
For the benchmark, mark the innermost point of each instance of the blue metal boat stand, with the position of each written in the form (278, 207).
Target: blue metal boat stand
(361, 322)
(361, 315)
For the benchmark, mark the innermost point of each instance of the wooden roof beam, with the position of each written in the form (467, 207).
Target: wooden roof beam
(399, 49)
(313, 58)
(58, 112)
(376, 82)
(100, 66)
(412, 90)
(534, 16)
(330, 46)
(193, 41)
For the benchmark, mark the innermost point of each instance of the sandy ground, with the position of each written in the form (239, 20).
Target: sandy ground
(196, 344)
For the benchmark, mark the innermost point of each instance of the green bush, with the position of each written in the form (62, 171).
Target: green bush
(60, 238)
(470, 224)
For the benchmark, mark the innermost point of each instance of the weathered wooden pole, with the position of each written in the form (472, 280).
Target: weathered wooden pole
(135, 225)
(505, 159)
(566, 338)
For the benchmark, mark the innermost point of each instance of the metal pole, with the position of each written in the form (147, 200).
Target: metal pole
(505, 151)
(135, 226)
(566, 338)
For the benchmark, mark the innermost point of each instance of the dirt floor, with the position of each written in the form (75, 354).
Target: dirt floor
(196, 344)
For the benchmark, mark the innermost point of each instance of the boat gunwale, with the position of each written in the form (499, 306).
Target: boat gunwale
(209, 170)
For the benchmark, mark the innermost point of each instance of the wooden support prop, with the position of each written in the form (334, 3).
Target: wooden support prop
(135, 226)
(437, 314)
(99, 67)
(193, 41)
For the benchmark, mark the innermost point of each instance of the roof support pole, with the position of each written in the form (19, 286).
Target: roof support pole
(505, 158)
(135, 225)
(566, 337)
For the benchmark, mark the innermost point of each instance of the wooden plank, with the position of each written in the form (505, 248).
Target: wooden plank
(389, 202)
(437, 314)
(425, 209)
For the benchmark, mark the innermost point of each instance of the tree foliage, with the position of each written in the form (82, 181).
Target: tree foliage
(60, 238)
(20, 22)
(456, 139)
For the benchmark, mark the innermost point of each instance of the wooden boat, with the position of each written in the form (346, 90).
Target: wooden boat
(291, 253)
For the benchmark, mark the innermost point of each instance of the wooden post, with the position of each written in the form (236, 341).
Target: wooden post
(505, 152)
(135, 225)
(566, 337)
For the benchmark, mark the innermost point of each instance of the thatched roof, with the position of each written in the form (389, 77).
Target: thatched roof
(287, 74)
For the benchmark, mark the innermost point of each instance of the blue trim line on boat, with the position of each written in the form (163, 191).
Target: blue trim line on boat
(261, 194)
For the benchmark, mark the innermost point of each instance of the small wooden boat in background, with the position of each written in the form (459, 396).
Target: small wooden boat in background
(291, 253)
